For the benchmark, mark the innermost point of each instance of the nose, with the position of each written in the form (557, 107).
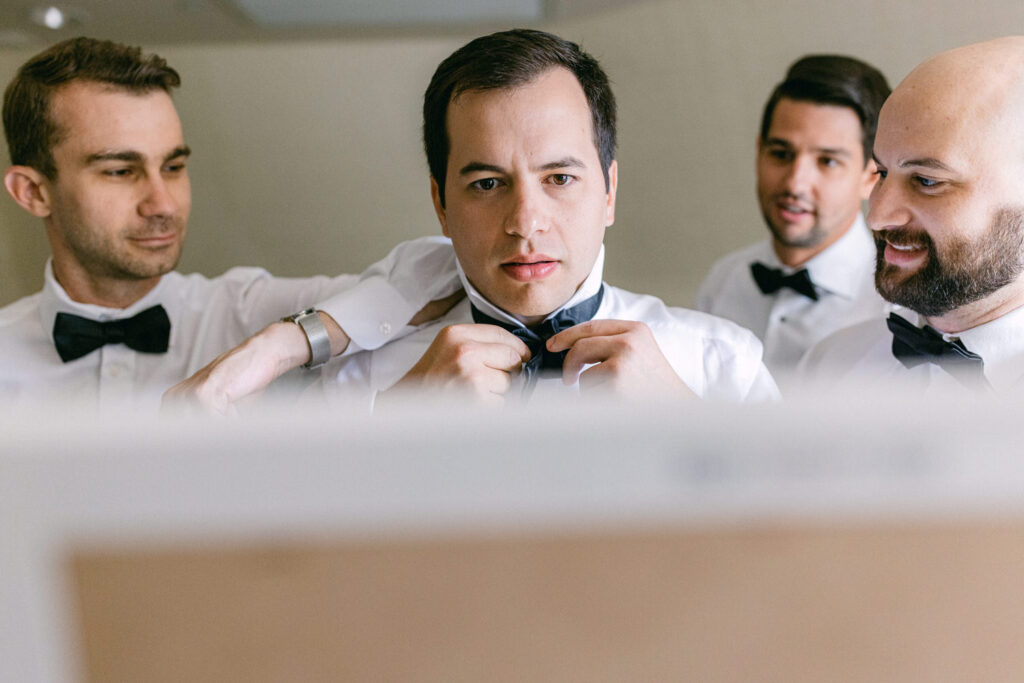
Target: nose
(800, 175)
(886, 208)
(526, 213)
(158, 198)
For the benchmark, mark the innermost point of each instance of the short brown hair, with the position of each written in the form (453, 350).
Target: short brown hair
(28, 124)
(509, 59)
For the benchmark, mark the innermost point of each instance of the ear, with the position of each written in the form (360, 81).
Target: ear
(29, 189)
(442, 217)
(613, 185)
(869, 179)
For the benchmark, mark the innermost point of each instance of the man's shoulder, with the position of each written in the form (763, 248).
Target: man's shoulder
(239, 275)
(838, 353)
(18, 312)
(740, 259)
(726, 271)
(23, 337)
(715, 357)
(675, 320)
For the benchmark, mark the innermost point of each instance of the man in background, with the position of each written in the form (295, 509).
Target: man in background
(99, 156)
(814, 273)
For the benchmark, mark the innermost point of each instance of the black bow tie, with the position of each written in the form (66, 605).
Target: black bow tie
(771, 280)
(915, 345)
(75, 336)
(541, 360)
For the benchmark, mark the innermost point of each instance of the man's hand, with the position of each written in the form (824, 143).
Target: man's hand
(470, 360)
(625, 360)
(245, 370)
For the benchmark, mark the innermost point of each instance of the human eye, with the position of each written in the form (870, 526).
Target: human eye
(830, 162)
(881, 172)
(485, 184)
(118, 172)
(926, 183)
(176, 166)
(778, 153)
(561, 179)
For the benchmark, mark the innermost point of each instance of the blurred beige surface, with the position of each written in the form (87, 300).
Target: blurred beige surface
(866, 602)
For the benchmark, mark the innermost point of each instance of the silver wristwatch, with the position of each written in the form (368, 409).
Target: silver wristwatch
(316, 335)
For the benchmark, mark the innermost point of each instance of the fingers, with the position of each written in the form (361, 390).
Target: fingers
(477, 360)
(619, 356)
(496, 339)
(592, 328)
(612, 343)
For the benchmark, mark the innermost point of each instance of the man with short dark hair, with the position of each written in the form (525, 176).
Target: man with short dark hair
(813, 275)
(519, 130)
(947, 216)
(99, 156)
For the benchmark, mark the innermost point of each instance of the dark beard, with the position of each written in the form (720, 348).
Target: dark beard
(965, 273)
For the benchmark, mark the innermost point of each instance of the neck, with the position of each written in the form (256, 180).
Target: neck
(108, 292)
(995, 305)
(796, 256)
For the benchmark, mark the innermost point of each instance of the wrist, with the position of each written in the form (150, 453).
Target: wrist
(287, 342)
(318, 341)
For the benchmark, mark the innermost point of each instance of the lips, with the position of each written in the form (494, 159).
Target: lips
(791, 211)
(904, 248)
(529, 268)
(156, 241)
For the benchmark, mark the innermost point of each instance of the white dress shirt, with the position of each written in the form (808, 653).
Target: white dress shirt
(714, 357)
(860, 358)
(208, 316)
(789, 323)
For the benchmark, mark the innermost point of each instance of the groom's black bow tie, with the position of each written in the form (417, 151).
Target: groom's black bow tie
(75, 336)
(771, 280)
(541, 360)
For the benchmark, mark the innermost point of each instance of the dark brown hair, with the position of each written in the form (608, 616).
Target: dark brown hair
(506, 60)
(835, 80)
(28, 122)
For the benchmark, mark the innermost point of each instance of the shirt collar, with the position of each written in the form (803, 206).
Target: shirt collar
(589, 288)
(999, 342)
(55, 300)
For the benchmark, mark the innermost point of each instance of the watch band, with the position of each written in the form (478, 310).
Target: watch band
(316, 335)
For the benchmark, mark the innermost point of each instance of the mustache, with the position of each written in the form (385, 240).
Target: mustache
(903, 237)
(157, 226)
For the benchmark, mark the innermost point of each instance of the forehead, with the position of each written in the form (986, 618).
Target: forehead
(549, 111)
(94, 117)
(942, 123)
(820, 125)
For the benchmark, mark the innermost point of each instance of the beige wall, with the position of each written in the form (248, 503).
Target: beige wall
(307, 155)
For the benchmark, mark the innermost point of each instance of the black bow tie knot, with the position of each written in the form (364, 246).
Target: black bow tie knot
(75, 336)
(542, 361)
(913, 345)
(771, 280)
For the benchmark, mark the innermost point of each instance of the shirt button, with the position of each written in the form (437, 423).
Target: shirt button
(385, 328)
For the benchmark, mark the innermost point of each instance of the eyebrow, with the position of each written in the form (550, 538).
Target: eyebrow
(926, 162)
(478, 166)
(834, 151)
(135, 157)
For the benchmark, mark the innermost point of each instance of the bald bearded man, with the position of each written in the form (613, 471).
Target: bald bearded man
(947, 216)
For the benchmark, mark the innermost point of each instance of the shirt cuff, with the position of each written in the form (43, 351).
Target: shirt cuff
(371, 313)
